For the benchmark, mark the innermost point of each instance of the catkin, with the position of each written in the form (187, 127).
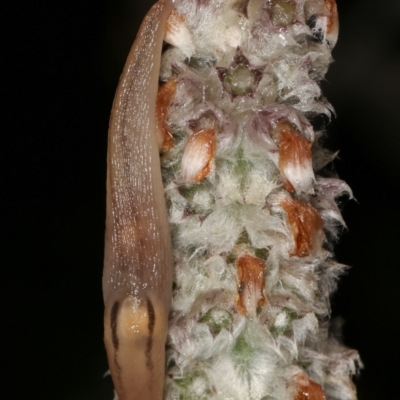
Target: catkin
(251, 203)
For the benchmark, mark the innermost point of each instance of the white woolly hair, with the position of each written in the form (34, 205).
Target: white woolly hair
(215, 349)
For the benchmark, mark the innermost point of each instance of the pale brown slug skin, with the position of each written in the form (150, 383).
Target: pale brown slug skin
(137, 277)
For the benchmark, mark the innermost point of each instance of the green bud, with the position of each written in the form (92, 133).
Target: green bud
(261, 254)
(283, 12)
(240, 80)
(242, 348)
(195, 386)
(217, 319)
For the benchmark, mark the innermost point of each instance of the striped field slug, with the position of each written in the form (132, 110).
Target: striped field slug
(137, 278)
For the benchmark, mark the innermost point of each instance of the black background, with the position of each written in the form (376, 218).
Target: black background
(63, 60)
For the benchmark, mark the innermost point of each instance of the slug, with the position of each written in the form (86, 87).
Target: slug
(137, 277)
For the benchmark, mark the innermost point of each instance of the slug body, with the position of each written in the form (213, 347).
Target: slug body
(137, 277)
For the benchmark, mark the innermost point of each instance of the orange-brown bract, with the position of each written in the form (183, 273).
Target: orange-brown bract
(306, 225)
(178, 34)
(294, 155)
(164, 96)
(307, 389)
(333, 19)
(174, 20)
(198, 157)
(250, 283)
(137, 277)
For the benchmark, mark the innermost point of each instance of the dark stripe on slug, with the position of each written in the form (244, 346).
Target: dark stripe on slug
(150, 326)
(114, 316)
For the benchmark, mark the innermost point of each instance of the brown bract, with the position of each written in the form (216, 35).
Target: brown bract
(306, 226)
(308, 389)
(294, 155)
(198, 156)
(178, 34)
(164, 96)
(173, 22)
(250, 283)
(332, 24)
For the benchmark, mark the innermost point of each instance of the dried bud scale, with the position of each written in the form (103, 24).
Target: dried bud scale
(250, 216)
(165, 93)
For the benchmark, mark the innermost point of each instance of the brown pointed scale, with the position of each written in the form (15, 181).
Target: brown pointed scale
(306, 225)
(164, 96)
(198, 156)
(295, 163)
(178, 34)
(250, 284)
(332, 26)
(308, 389)
(137, 277)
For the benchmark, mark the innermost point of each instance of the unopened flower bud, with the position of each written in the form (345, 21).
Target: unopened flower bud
(240, 80)
(283, 12)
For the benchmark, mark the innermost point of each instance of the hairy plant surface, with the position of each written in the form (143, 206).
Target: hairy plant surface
(251, 202)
